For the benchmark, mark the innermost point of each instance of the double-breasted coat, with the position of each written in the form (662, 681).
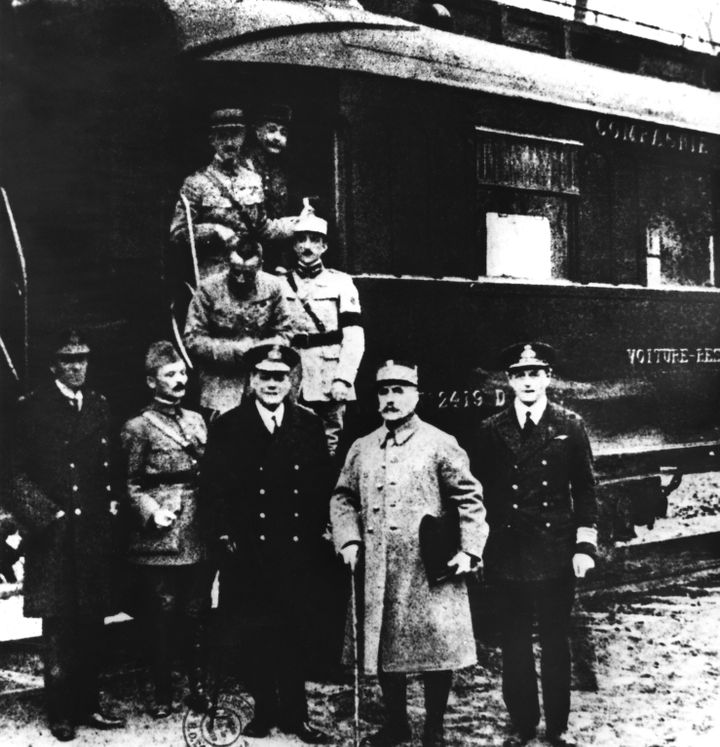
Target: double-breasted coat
(61, 463)
(269, 494)
(223, 323)
(388, 483)
(537, 493)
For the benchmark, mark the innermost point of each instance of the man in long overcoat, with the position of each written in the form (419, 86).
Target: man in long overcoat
(62, 497)
(266, 484)
(391, 479)
(535, 465)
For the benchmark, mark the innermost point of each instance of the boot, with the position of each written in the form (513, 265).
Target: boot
(437, 691)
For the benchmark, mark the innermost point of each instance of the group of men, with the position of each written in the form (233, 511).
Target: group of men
(248, 485)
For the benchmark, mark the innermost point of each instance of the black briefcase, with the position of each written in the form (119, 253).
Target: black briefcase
(439, 542)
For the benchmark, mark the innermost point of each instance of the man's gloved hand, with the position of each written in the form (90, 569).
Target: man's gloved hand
(582, 563)
(349, 554)
(339, 390)
(462, 562)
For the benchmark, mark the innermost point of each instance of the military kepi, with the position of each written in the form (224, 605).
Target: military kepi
(227, 119)
(527, 355)
(70, 344)
(271, 357)
(397, 372)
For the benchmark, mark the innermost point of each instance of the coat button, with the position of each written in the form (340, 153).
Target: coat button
(262, 538)
(296, 515)
(295, 491)
(75, 488)
(296, 538)
(106, 464)
(296, 466)
(515, 505)
(545, 503)
(103, 440)
(261, 491)
(515, 466)
(72, 465)
(262, 516)
(544, 462)
(260, 468)
(544, 482)
(508, 526)
(108, 488)
(514, 487)
(77, 512)
(547, 523)
(193, 461)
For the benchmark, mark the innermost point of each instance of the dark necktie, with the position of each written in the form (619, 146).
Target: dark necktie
(528, 428)
(274, 424)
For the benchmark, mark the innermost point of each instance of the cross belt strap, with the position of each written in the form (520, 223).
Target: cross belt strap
(308, 310)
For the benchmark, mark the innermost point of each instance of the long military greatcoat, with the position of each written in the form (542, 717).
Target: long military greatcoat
(388, 483)
(62, 463)
(537, 492)
(269, 493)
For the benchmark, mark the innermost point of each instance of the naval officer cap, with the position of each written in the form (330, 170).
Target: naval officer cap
(272, 357)
(397, 372)
(227, 119)
(70, 344)
(528, 355)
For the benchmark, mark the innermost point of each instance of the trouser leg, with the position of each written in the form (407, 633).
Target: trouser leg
(159, 601)
(194, 602)
(554, 604)
(57, 668)
(291, 680)
(394, 691)
(261, 677)
(515, 611)
(437, 691)
(88, 655)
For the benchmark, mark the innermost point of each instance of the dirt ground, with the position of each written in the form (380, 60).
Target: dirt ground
(656, 660)
(655, 657)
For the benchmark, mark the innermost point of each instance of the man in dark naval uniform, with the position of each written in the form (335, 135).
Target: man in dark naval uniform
(62, 497)
(535, 465)
(266, 483)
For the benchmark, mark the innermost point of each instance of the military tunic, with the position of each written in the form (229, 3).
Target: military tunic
(223, 195)
(223, 323)
(161, 472)
(388, 483)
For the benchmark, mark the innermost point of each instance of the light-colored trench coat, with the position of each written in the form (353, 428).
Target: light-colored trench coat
(388, 483)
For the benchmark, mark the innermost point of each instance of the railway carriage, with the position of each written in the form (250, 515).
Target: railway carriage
(480, 189)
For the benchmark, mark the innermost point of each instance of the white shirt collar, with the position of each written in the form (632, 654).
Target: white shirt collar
(536, 410)
(70, 393)
(268, 416)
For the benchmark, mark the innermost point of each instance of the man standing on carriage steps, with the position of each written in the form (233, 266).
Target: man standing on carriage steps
(327, 328)
(391, 479)
(224, 198)
(535, 465)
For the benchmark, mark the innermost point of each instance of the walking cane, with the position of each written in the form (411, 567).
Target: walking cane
(356, 666)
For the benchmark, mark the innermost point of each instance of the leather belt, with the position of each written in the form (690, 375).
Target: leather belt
(317, 340)
(168, 478)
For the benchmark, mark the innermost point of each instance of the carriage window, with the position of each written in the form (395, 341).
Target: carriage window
(677, 208)
(526, 191)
